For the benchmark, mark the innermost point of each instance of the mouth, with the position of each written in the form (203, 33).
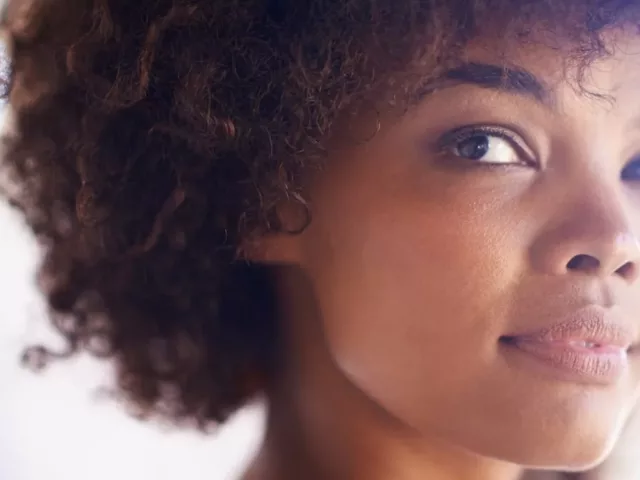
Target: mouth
(589, 346)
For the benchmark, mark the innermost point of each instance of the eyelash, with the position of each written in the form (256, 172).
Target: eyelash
(449, 140)
(630, 172)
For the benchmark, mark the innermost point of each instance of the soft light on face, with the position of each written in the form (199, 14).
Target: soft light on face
(485, 215)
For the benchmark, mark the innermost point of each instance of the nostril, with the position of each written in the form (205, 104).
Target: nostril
(584, 263)
(589, 264)
(629, 270)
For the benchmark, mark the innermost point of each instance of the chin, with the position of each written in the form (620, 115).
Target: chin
(551, 425)
(583, 455)
(545, 437)
(564, 450)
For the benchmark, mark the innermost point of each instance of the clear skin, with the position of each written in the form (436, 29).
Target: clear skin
(418, 261)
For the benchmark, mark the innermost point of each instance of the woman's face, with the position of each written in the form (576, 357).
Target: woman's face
(464, 260)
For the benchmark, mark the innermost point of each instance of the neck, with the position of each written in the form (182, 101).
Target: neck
(315, 437)
(322, 427)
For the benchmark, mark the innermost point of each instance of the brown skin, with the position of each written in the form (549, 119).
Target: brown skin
(622, 463)
(417, 262)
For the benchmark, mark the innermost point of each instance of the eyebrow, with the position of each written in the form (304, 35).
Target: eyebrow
(511, 80)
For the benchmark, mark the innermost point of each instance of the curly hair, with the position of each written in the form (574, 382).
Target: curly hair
(152, 138)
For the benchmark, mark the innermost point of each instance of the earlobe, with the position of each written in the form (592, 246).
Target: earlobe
(274, 248)
(282, 243)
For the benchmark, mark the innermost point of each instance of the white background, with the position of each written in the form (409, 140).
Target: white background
(55, 426)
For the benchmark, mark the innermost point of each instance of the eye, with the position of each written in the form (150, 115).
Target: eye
(492, 145)
(631, 172)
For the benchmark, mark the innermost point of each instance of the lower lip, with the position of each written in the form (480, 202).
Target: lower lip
(563, 361)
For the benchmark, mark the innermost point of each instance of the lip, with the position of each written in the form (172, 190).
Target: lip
(588, 346)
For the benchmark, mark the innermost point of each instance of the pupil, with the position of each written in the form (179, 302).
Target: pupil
(474, 147)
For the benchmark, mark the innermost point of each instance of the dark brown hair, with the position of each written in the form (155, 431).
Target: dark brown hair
(151, 137)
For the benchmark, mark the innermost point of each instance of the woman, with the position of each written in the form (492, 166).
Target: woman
(411, 225)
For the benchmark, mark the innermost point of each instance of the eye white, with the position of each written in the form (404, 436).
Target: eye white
(487, 148)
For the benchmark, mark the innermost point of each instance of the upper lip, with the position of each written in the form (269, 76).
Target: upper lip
(592, 324)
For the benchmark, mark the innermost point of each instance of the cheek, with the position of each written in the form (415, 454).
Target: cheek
(411, 298)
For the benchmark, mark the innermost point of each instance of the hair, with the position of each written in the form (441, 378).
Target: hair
(152, 138)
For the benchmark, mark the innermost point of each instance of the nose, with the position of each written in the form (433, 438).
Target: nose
(615, 257)
(590, 236)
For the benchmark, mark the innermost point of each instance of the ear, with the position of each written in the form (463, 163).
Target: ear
(282, 245)
(272, 249)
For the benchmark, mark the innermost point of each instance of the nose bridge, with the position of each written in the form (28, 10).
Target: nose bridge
(601, 214)
(593, 231)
